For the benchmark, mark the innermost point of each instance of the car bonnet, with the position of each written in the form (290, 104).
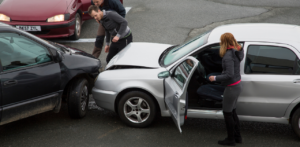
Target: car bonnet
(139, 54)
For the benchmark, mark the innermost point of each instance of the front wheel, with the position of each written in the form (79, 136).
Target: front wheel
(78, 98)
(296, 122)
(77, 30)
(137, 109)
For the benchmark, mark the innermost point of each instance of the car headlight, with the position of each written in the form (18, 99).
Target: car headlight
(4, 17)
(56, 18)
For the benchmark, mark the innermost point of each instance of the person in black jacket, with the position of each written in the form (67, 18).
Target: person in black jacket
(112, 5)
(232, 54)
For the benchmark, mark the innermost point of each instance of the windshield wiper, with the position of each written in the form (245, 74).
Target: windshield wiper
(61, 47)
(162, 56)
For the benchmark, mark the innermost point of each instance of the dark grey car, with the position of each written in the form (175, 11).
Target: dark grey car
(36, 75)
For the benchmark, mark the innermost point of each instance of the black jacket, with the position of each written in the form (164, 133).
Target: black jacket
(231, 67)
(113, 5)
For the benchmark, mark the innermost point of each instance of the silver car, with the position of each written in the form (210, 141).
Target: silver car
(149, 79)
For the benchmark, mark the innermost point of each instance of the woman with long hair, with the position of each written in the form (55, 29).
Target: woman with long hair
(232, 54)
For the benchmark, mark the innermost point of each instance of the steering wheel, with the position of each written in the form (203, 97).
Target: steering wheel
(201, 70)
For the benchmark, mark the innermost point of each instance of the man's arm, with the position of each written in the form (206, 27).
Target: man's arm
(117, 6)
(120, 20)
(107, 35)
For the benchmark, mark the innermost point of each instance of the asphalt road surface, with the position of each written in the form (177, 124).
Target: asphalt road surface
(169, 22)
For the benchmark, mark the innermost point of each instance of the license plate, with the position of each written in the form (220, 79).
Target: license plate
(29, 28)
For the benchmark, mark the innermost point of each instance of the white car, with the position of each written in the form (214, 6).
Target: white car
(149, 79)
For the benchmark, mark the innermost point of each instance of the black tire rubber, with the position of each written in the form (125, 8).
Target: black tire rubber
(76, 36)
(295, 122)
(147, 98)
(74, 99)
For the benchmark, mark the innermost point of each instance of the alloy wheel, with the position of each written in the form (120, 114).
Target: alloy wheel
(78, 26)
(136, 110)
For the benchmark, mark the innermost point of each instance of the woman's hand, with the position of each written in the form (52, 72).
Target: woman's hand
(212, 78)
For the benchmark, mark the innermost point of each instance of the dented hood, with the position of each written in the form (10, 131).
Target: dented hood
(139, 54)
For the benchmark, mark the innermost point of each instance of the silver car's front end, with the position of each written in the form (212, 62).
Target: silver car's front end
(136, 67)
(111, 83)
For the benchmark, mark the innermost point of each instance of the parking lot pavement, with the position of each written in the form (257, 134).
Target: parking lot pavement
(169, 22)
(104, 128)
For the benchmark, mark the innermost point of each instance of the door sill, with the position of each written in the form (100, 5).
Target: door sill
(203, 108)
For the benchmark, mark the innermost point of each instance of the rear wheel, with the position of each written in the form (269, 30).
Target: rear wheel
(77, 30)
(296, 122)
(78, 98)
(137, 109)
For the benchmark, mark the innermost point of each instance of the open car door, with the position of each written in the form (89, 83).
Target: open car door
(176, 89)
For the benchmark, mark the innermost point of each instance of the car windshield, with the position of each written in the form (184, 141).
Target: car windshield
(185, 48)
(44, 41)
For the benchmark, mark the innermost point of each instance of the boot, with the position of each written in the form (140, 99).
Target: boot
(230, 141)
(237, 133)
(96, 52)
(98, 46)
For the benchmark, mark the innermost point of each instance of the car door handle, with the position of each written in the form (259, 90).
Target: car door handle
(10, 82)
(176, 95)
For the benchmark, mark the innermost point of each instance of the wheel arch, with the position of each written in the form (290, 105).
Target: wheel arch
(80, 14)
(293, 111)
(120, 94)
(72, 80)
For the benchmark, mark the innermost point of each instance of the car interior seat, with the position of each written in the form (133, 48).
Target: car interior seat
(210, 95)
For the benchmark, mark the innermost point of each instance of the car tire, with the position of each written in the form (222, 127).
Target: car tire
(78, 98)
(77, 30)
(139, 107)
(296, 122)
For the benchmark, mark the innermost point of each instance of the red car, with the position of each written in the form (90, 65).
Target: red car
(46, 18)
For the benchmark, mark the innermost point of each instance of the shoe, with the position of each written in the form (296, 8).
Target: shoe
(227, 142)
(238, 140)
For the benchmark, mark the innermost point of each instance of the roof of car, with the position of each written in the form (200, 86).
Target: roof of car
(280, 33)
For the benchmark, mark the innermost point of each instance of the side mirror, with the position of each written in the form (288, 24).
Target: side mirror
(164, 74)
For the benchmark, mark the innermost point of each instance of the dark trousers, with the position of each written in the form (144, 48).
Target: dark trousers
(231, 95)
(99, 41)
(116, 47)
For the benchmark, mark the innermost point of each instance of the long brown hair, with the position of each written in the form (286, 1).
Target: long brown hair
(228, 40)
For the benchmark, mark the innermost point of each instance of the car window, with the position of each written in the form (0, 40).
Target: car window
(17, 51)
(261, 59)
(297, 70)
(183, 71)
(182, 50)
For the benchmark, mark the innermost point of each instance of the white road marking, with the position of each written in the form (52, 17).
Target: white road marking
(85, 40)
(77, 41)
(127, 9)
